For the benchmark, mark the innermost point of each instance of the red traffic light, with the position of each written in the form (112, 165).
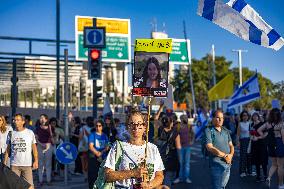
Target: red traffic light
(95, 54)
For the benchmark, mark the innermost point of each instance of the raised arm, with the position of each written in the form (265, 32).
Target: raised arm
(157, 115)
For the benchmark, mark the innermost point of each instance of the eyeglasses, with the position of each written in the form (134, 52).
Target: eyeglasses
(137, 125)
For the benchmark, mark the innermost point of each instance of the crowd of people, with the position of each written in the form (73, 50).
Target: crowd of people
(166, 161)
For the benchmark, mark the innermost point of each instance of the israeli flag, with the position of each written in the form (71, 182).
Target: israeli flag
(248, 92)
(242, 20)
(204, 122)
(107, 109)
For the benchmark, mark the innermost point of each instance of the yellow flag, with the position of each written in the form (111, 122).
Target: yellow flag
(222, 89)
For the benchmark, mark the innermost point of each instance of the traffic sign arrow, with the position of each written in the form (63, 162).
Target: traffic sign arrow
(68, 155)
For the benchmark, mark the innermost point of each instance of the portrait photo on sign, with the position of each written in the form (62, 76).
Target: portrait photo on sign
(150, 77)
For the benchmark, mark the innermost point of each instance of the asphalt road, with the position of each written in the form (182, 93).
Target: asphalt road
(199, 173)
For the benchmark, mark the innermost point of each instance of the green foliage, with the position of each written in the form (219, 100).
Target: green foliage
(202, 75)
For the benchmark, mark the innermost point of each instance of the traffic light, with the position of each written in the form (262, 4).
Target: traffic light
(95, 65)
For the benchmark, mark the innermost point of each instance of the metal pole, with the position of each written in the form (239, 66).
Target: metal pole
(79, 99)
(63, 96)
(214, 73)
(132, 71)
(46, 97)
(33, 98)
(66, 138)
(25, 98)
(14, 89)
(95, 104)
(57, 59)
(240, 64)
(123, 88)
(240, 68)
(214, 67)
(190, 74)
(86, 99)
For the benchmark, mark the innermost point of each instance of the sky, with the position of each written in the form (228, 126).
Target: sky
(37, 19)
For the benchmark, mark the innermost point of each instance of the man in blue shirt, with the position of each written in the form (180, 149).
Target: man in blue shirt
(221, 151)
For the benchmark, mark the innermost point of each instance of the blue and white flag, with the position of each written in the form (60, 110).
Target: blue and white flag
(204, 122)
(248, 92)
(242, 20)
(107, 110)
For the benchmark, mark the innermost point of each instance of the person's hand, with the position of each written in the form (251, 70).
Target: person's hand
(98, 154)
(228, 158)
(140, 172)
(35, 165)
(162, 102)
(146, 185)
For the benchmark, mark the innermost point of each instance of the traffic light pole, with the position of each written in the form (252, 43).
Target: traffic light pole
(95, 101)
(66, 129)
(14, 89)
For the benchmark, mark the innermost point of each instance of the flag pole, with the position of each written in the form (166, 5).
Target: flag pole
(190, 74)
(239, 51)
(214, 74)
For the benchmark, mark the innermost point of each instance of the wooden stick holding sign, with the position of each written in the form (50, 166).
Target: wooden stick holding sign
(146, 178)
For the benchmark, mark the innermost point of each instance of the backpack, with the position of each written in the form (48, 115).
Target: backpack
(204, 150)
(163, 145)
(101, 183)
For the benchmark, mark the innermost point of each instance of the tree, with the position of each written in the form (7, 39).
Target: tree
(202, 75)
(202, 80)
(278, 91)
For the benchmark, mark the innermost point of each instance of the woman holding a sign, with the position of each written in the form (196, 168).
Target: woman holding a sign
(128, 171)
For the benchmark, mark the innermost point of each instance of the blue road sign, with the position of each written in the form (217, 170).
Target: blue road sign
(94, 37)
(66, 153)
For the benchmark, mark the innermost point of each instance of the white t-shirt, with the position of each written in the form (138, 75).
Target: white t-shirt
(21, 147)
(3, 139)
(137, 154)
(244, 128)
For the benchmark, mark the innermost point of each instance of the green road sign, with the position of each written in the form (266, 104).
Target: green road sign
(116, 49)
(180, 52)
(117, 38)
